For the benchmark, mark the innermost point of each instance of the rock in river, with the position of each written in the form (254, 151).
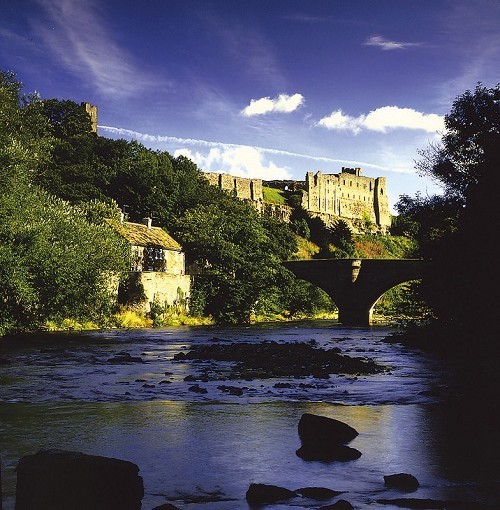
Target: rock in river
(402, 481)
(62, 480)
(262, 494)
(323, 439)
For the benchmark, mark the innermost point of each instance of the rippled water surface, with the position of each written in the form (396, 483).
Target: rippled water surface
(201, 450)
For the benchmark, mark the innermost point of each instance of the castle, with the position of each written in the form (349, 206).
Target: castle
(350, 196)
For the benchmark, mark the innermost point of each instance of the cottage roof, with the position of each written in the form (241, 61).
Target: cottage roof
(142, 235)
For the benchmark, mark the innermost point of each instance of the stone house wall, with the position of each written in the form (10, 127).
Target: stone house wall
(164, 288)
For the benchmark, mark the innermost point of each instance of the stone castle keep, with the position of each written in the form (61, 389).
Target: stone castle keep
(348, 195)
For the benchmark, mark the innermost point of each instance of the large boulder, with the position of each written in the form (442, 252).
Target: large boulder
(262, 494)
(60, 480)
(401, 481)
(323, 439)
(314, 429)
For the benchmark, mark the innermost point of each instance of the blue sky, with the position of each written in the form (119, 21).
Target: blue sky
(262, 88)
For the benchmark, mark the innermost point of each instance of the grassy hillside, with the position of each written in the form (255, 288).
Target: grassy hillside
(273, 196)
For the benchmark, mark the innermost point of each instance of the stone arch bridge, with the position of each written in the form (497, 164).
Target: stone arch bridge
(355, 285)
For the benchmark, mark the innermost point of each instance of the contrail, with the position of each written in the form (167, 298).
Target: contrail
(205, 143)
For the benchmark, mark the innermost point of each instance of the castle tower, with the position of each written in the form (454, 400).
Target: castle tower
(92, 111)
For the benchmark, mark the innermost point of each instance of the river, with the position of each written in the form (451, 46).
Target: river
(202, 449)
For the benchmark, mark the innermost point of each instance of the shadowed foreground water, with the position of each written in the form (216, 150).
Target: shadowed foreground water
(202, 450)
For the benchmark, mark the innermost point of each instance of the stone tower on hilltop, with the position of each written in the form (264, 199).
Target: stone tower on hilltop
(92, 111)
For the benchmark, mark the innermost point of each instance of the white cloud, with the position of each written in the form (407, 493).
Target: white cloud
(386, 45)
(281, 104)
(393, 117)
(157, 140)
(74, 34)
(384, 119)
(338, 121)
(239, 161)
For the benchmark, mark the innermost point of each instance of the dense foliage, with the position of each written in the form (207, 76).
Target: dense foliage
(54, 263)
(55, 248)
(458, 230)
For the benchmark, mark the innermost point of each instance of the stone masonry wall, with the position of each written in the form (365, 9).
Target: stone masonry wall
(347, 195)
(245, 189)
(166, 289)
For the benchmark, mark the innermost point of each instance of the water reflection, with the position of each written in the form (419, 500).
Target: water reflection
(418, 418)
(187, 449)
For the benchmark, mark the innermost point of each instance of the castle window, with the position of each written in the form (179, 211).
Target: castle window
(350, 183)
(344, 182)
(381, 191)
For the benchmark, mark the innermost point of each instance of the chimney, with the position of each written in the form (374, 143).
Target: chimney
(147, 221)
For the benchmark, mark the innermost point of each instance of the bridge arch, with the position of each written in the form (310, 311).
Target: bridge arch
(355, 285)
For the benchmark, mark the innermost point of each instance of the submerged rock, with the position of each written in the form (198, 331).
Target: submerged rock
(197, 389)
(323, 439)
(341, 504)
(124, 357)
(272, 359)
(318, 493)
(231, 390)
(261, 494)
(166, 506)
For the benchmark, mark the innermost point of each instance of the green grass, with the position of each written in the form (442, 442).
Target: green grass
(273, 196)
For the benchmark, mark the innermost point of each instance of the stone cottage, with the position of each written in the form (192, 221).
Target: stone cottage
(157, 266)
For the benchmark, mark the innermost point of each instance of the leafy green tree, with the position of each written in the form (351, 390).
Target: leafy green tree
(427, 220)
(301, 228)
(54, 263)
(342, 237)
(239, 255)
(463, 290)
(469, 144)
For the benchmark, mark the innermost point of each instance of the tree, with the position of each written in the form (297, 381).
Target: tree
(54, 263)
(469, 144)
(341, 236)
(463, 289)
(239, 254)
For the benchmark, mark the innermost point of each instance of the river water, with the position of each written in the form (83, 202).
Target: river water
(202, 450)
